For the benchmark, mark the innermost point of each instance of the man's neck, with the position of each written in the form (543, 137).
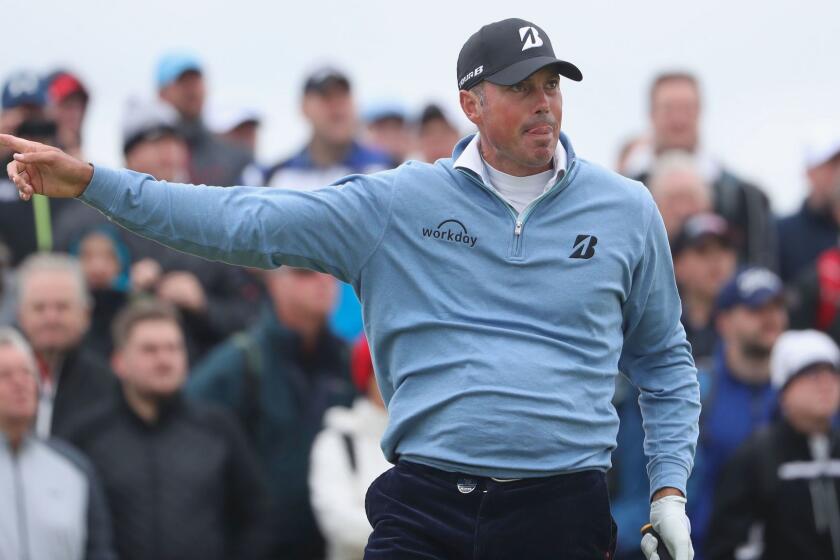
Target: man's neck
(308, 327)
(15, 431)
(698, 308)
(324, 154)
(148, 409)
(753, 370)
(50, 360)
(660, 149)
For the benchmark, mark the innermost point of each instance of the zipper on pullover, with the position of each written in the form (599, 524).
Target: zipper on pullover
(519, 219)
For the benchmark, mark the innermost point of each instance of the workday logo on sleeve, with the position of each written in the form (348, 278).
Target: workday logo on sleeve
(451, 231)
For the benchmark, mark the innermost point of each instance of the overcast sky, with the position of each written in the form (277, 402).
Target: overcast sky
(769, 69)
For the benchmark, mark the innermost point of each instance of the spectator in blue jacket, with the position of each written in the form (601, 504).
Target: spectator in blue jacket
(739, 399)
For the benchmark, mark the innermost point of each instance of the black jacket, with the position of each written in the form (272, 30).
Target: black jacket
(767, 492)
(187, 486)
(802, 237)
(84, 382)
(747, 209)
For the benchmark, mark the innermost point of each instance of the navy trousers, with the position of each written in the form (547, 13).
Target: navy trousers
(418, 512)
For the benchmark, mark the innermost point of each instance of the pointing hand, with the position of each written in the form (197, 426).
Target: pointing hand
(41, 169)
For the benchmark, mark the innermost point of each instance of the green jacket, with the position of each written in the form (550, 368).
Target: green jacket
(280, 394)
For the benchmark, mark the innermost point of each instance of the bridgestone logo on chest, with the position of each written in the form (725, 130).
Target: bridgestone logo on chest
(452, 231)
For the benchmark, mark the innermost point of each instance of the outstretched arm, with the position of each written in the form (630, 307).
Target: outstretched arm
(657, 359)
(333, 230)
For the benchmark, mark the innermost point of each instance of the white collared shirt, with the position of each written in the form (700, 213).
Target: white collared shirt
(519, 192)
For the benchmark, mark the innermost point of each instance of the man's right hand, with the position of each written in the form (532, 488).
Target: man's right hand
(41, 169)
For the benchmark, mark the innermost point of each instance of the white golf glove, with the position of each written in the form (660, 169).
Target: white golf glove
(667, 515)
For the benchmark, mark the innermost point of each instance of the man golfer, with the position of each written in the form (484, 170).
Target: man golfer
(502, 289)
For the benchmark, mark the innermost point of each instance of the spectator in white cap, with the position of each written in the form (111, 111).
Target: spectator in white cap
(214, 299)
(237, 125)
(778, 497)
(813, 228)
(151, 144)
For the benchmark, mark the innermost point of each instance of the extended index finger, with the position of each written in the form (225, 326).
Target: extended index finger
(18, 144)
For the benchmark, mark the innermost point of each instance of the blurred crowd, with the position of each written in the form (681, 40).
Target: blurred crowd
(154, 405)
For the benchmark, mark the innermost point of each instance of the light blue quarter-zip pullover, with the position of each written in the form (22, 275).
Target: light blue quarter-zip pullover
(496, 336)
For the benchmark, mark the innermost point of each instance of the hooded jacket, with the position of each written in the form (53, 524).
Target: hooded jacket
(496, 336)
(346, 459)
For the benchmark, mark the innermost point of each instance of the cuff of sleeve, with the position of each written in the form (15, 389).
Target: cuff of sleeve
(102, 190)
(668, 474)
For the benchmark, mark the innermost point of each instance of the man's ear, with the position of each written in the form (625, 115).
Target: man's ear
(471, 106)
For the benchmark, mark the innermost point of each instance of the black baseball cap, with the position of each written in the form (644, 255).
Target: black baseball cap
(700, 228)
(506, 52)
(322, 79)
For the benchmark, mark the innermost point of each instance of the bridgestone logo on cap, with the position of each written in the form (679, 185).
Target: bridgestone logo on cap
(470, 75)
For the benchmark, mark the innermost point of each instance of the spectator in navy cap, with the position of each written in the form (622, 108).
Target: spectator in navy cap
(23, 113)
(331, 153)
(704, 259)
(739, 398)
(24, 101)
(23, 97)
(68, 99)
(180, 82)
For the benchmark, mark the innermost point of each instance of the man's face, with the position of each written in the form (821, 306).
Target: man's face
(813, 396)
(99, 260)
(678, 196)
(392, 136)
(186, 94)
(18, 389)
(52, 313)
(675, 116)
(704, 268)
(304, 293)
(437, 140)
(332, 114)
(823, 180)
(244, 135)
(754, 331)
(69, 114)
(519, 124)
(153, 360)
(166, 158)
